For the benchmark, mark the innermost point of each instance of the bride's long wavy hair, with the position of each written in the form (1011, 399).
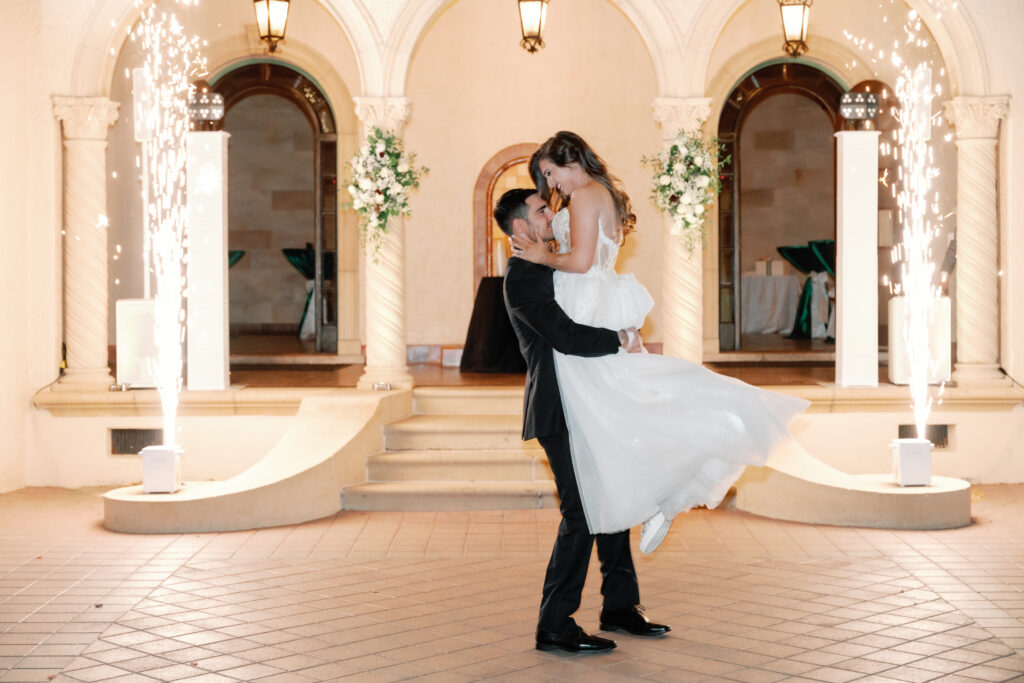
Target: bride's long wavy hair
(564, 148)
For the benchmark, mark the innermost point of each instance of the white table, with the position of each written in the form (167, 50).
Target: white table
(768, 303)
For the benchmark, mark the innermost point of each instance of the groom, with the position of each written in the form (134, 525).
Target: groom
(541, 324)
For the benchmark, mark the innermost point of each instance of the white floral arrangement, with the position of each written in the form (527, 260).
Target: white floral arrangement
(684, 184)
(382, 175)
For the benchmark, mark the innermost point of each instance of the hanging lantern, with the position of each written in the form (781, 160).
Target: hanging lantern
(271, 18)
(795, 14)
(532, 15)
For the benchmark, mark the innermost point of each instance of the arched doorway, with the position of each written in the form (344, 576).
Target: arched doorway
(789, 111)
(504, 171)
(283, 211)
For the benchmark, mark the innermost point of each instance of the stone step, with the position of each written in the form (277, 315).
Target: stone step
(456, 432)
(468, 400)
(468, 466)
(433, 495)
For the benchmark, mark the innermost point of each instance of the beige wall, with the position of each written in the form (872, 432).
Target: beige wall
(15, 263)
(270, 207)
(787, 177)
(474, 92)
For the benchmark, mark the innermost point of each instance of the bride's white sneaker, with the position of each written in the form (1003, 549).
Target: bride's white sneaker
(653, 533)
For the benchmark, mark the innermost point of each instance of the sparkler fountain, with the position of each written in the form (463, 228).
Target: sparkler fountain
(919, 219)
(918, 211)
(917, 216)
(171, 60)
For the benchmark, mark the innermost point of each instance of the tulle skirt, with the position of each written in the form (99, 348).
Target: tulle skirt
(651, 432)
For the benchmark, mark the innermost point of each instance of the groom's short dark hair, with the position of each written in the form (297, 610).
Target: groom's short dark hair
(511, 206)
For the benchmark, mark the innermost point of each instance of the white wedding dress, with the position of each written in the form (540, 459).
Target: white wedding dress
(651, 433)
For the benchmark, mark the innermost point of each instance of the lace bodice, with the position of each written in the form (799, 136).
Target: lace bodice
(599, 297)
(607, 244)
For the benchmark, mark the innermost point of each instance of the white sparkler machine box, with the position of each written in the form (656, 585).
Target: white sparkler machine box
(938, 342)
(912, 461)
(136, 342)
(161, 469)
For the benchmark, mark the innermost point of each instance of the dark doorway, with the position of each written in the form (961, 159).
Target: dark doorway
(777, 124)
(283, 222)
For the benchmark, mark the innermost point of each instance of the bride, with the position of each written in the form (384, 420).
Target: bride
(651, 435)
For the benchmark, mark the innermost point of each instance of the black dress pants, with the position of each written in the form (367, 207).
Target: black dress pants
(567, 569)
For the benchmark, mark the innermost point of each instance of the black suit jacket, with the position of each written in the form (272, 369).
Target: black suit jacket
(541, 324)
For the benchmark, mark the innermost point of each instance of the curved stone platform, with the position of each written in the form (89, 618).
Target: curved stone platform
(795, 486)
(462, 451)
(299, 480)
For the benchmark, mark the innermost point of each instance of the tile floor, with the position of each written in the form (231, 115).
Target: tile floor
(388, 596)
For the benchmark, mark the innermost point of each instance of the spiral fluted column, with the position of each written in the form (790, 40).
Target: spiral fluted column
(682, 291)
(976, 120)
(385, 273)
(85, 122)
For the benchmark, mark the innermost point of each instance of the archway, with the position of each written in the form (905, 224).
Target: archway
(955, 35)
(485, 193)
(781, 79)
(313, 202)
(651, 21)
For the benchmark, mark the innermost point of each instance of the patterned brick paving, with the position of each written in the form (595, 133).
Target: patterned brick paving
(390, 596)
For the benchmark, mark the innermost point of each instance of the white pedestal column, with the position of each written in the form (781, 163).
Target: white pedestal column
(857, 258)
(385, 275)
(85, 122)
(976, 120)
(207, 216)
(682, 291)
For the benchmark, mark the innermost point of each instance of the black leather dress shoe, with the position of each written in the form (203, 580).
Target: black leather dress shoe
(573, 639)
(631, 620)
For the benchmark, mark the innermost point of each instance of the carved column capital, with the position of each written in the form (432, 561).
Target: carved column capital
(674, 114)
(977, 117)
(387, 113)
(85, 118)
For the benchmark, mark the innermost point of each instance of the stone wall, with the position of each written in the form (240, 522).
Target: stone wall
(787, 177)
(271, 207)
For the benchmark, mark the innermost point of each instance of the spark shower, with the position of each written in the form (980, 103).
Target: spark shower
(171, 61)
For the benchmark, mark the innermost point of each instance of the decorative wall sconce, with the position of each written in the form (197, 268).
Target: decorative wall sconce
(271, 19)
(532, 15)
(795, 14)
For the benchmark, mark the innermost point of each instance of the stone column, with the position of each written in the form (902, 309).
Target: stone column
(385, 274)
(976, 120)
(682, 289)
(85, 121)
